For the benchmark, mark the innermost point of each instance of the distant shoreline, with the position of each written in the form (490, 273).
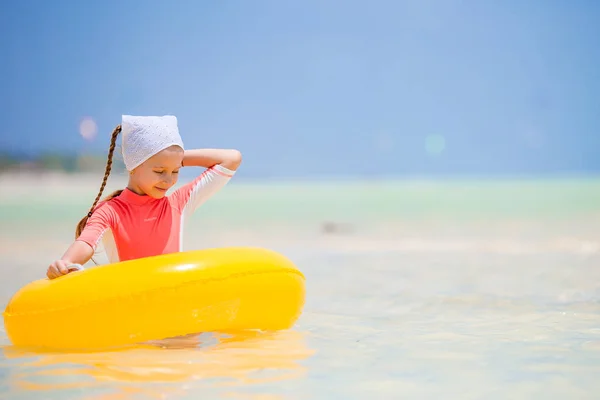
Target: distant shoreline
(53, 179)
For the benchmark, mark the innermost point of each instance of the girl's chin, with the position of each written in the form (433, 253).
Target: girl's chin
(159, 193)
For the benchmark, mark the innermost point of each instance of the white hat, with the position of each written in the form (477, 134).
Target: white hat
(143, 137)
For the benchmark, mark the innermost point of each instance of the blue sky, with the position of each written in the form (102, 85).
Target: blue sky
(327, 87)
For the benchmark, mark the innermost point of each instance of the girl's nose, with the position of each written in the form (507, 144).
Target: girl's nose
(169, 178)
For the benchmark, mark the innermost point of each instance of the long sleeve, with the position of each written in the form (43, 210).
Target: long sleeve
(193, 194)
(97, 225)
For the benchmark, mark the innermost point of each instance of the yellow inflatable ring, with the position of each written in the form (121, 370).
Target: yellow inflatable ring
(214, 290)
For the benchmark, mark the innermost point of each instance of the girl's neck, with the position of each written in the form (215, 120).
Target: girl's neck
(135, 189)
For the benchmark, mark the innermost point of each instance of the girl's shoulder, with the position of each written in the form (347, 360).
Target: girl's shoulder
(110, 201)
(106, 207)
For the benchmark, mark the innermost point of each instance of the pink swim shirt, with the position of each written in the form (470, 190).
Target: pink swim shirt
(133, 226)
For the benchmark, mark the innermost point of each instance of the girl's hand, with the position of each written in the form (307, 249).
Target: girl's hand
(79, 252)
(58, 268)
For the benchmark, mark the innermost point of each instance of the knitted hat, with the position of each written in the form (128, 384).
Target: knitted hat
(143, 137)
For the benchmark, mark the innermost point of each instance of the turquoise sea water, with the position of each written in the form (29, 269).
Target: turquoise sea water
(416, 289)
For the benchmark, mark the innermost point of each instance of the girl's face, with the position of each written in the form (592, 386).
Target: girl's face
(158, 174)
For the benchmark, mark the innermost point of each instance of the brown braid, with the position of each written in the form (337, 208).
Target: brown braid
(111, 150)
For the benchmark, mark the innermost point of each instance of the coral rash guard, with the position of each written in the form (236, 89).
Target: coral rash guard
(133, 226)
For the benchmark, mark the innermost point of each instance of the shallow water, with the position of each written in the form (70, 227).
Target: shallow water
(418, 290)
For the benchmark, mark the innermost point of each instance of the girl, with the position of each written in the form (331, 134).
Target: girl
(142, 220)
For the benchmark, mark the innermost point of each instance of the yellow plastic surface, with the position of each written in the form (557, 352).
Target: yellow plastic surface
(214, 290)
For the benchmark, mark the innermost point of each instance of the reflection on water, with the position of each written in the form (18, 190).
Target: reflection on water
(170, 366)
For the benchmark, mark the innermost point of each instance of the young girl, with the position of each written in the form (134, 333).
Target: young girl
(142, 220)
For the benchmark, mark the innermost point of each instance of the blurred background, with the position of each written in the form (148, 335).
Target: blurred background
(313, 88)
(431, 166)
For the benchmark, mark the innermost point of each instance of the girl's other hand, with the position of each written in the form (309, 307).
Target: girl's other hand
(58, 268)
